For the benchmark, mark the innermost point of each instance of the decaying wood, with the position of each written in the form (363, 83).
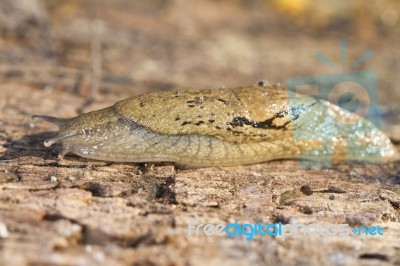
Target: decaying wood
(57, 211)
(83, 212)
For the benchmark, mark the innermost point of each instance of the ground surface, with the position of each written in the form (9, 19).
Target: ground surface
(74, 56)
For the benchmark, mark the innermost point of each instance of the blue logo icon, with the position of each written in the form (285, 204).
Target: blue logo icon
(353, 91)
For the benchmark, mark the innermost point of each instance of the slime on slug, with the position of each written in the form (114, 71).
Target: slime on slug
(236, 126)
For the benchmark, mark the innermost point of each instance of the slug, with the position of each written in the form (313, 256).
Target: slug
(221, 127)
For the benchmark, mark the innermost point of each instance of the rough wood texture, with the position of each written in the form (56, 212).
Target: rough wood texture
(82, 212)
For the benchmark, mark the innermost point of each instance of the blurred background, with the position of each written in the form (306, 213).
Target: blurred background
(107, 50)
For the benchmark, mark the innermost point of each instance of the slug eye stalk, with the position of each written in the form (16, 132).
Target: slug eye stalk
(60, 122)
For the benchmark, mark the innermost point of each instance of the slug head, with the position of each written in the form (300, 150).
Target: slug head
(78, 131)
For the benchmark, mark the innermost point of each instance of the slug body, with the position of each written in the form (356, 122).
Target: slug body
(220, 127)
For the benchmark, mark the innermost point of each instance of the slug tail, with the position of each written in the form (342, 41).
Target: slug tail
(55, 120)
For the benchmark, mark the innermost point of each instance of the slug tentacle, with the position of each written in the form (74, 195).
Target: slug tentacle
(65, 149)
(55, 120)
(49, 142)
(61, 123)
(221, 127)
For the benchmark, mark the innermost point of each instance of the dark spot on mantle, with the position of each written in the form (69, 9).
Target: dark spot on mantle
(237, 133)
(222, 100)
(267, 124)
(376, 256)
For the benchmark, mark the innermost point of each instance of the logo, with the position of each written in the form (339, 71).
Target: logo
(355, 92)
